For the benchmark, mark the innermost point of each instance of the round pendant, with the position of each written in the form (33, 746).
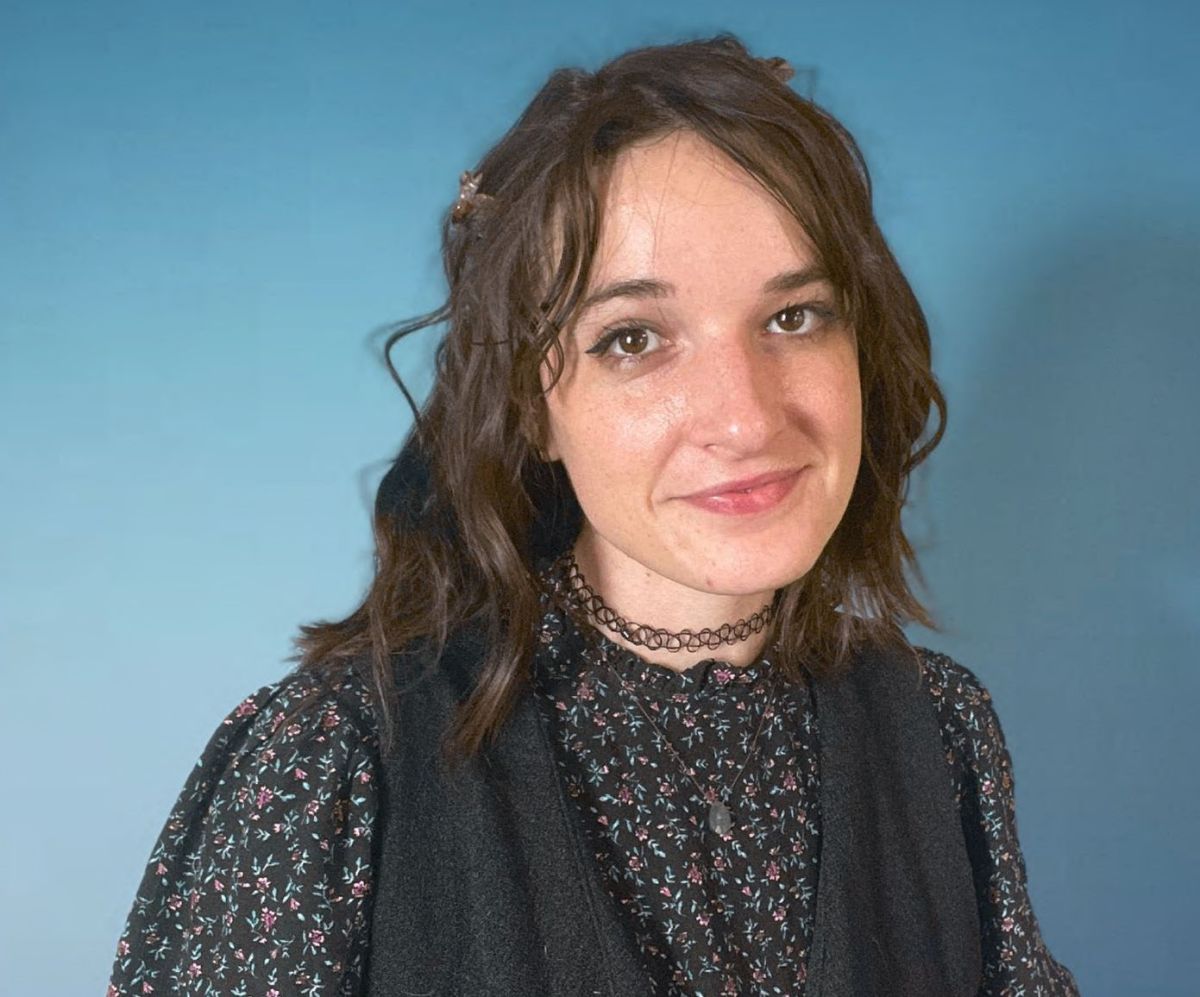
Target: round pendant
(719, 817)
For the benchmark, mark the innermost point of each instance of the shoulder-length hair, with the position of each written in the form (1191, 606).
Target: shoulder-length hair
(517, 265)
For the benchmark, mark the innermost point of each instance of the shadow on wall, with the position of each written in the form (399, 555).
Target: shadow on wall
(1067, 550)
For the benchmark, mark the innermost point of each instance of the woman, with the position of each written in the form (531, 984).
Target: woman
(627, 707)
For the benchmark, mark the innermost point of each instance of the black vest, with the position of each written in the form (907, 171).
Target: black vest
(485, 886)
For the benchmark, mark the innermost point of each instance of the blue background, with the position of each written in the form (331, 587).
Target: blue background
(205, 210)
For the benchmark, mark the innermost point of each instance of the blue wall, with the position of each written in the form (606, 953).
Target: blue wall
(206, 208)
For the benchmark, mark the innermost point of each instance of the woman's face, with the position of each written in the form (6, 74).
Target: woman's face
(711, 355)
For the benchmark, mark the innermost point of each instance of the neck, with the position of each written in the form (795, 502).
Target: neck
(645, 597)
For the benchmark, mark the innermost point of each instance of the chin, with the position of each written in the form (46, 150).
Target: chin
(747, 574)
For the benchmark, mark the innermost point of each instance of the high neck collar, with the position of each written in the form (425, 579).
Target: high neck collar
(573, 645)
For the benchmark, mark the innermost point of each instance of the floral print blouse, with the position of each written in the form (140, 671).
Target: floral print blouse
(260, 882)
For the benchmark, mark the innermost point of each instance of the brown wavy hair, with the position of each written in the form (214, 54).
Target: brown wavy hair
(460, 546)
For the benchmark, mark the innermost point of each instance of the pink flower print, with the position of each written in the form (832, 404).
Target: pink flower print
(665, 891)
(641, 834)
(122, 947)
(987, 787)
(694, 874)
(702, 920)
(160, 870)
(1007, 924)
(789, 781)
(175, 901)
(218, 886)
(635, 863)
(147, 989)
(746, 891)
(773, 871)
(779, 914)
(293, 904)
(723, 675)
(269, 918)
(265, 796)
(311, 808)
(689, 721)
(239, 955)
(360, 888)
(246, 707)
(293, 730)
(262, 884)
(111, 991)
(330, 720)
(269, 755)
(365, 777)
(317, 937)
(718, 862)
(300, 773)
(272, 992)
(193, 970)
(602, 820)
(625, 795)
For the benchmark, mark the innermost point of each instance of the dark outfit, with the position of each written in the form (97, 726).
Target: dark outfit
(295, 850)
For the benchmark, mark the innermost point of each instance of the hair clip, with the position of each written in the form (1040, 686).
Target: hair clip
(469, 197)
(779, 67)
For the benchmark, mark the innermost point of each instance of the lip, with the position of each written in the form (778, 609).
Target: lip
(743, 484)
(749, 495)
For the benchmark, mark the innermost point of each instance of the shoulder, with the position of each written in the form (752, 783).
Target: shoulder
(291, 735)
(269, 842)
(966, 715)
(330, 710)
(959, 696)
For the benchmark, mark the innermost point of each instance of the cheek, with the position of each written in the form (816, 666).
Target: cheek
(604, 436)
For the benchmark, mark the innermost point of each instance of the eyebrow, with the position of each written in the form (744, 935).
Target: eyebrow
(643, 287)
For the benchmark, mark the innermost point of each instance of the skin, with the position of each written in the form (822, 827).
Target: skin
(723, 381)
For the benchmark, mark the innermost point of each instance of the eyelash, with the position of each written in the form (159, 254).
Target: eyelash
(599, 349)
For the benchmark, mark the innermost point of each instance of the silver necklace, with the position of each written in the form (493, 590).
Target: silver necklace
(720, 816)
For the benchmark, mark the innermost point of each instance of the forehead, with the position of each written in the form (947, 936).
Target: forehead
(679, 205)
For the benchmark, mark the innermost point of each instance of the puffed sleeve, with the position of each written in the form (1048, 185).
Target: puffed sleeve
(260, 882)
(1016, 961)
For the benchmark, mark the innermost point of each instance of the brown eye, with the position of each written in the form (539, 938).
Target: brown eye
(625, 343)
(632, 341)
(792, 319)
(802, 320)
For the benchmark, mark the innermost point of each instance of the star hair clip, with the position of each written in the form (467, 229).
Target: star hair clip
(469, 197)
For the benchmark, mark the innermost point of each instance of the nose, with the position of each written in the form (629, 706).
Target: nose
(736, 397)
